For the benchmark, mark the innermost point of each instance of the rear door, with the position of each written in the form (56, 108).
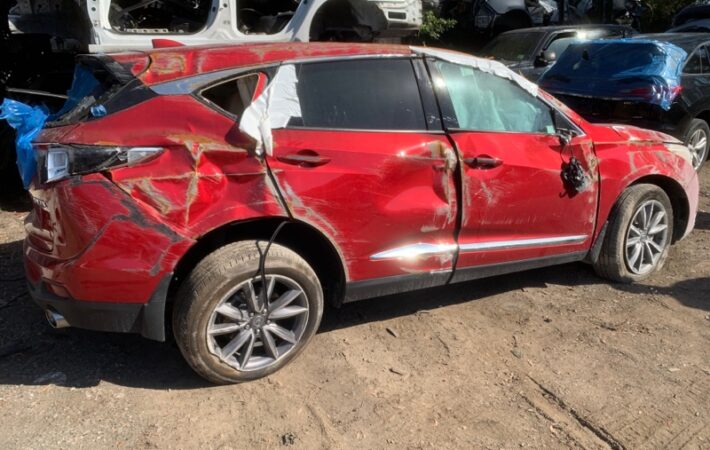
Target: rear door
(516, 208)
(368, 164)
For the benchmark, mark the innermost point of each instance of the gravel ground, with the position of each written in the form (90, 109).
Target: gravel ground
(548, 358)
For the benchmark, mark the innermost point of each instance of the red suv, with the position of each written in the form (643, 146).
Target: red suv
(238, 188)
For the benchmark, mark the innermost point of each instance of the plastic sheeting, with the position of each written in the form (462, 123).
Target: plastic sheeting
(627, 69)
(83, 85)
(279, 102)
(28, 122)
(272, 109)
(484, 65)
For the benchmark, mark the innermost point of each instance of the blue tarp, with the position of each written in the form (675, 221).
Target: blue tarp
(28, 122)
(634, 69)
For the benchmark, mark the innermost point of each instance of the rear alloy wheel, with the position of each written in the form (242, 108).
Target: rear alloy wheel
(248, 335)
(232, 325)
(638, 235)
(698, 141)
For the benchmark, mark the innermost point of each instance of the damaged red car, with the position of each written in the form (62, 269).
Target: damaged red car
(234, 190)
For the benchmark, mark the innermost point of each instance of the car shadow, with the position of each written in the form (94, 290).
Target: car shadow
(15, 201)
(32, 353)
(702, 221)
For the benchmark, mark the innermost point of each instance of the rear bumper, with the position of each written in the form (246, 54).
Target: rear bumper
(146, 319)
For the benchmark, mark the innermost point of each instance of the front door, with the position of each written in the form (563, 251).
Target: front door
(516, 206)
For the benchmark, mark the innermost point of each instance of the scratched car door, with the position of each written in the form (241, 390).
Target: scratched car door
(368, 164)
(516, 207)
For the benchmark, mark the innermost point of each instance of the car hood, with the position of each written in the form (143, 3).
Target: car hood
(626, 134)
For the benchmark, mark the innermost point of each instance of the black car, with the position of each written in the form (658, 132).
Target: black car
(530, 51)
(692, 26)
(641, 81)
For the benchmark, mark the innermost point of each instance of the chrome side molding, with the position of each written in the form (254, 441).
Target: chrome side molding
(413, 251)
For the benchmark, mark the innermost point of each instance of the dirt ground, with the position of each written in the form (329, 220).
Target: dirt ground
(548, 358)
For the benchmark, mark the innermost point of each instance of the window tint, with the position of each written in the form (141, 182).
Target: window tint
(485, 102)
(361, 94)
(560, 44)
(234, 95)
(694, 64)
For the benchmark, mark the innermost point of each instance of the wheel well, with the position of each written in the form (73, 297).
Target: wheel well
(511, 20)
(679, 201)
(347, 20)
(705, 115)
(300, 237)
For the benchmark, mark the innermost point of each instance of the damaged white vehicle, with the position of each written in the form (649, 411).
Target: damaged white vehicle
(110, 25)
(40, 38)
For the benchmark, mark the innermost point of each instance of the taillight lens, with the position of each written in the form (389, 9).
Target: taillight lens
(653, 92)
(57, 162)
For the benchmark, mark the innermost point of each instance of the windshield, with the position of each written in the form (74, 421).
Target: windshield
(512, 47)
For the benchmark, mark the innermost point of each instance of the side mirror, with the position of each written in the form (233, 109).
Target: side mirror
(545, 58)
(563, 130)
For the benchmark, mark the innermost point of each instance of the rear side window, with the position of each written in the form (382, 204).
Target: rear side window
(699, 62)
(360, 94)
(233, 96)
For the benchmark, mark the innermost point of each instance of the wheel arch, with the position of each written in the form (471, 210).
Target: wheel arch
(677, 196)
(346, 14)
(512, 20)
(306, 240)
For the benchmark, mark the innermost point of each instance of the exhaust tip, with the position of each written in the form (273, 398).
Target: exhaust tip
(55, 319)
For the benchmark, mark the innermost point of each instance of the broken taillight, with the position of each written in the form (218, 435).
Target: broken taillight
(57, 162)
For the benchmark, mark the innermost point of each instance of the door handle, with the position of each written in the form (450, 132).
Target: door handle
(483, 162)
(305, 158)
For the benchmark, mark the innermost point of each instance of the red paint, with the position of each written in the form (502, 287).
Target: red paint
(113, 236)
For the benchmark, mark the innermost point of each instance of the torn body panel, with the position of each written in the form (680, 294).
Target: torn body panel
(628, 154)
(77, 243)
(383, 190)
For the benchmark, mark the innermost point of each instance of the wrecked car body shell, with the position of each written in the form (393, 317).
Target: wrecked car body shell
(401, 209)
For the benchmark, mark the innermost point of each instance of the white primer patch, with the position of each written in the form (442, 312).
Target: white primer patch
(484, 65)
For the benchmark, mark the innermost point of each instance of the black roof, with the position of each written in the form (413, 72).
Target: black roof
(686, 41)
(585, 26)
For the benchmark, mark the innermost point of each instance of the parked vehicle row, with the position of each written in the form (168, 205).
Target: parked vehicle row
(313, 173)
(660, 82)
(531, 51)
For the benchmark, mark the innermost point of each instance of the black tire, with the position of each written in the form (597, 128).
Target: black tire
(212, 280)
(613, 262)
(698, 127)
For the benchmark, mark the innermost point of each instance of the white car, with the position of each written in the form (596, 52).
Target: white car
(116, 25)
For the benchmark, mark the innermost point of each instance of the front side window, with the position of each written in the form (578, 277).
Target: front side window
(379, 94)
(486, 102)
(560, 43)
(698, 63)
(233, 96)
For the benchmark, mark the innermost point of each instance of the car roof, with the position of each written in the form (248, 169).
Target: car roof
(176, 62)
(554, 28)
(686, 41)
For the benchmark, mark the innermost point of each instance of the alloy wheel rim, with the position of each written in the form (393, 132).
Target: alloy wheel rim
(249, 334)
(646, 237)
(698, 145)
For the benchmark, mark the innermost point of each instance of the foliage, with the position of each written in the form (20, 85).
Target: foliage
(660, 14)
(433, 27)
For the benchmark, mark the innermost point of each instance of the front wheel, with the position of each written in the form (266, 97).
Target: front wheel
(639, 235)
(697, 138)
(232, 325)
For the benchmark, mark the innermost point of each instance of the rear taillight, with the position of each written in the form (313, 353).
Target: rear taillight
(57, 162)
(653, 92)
